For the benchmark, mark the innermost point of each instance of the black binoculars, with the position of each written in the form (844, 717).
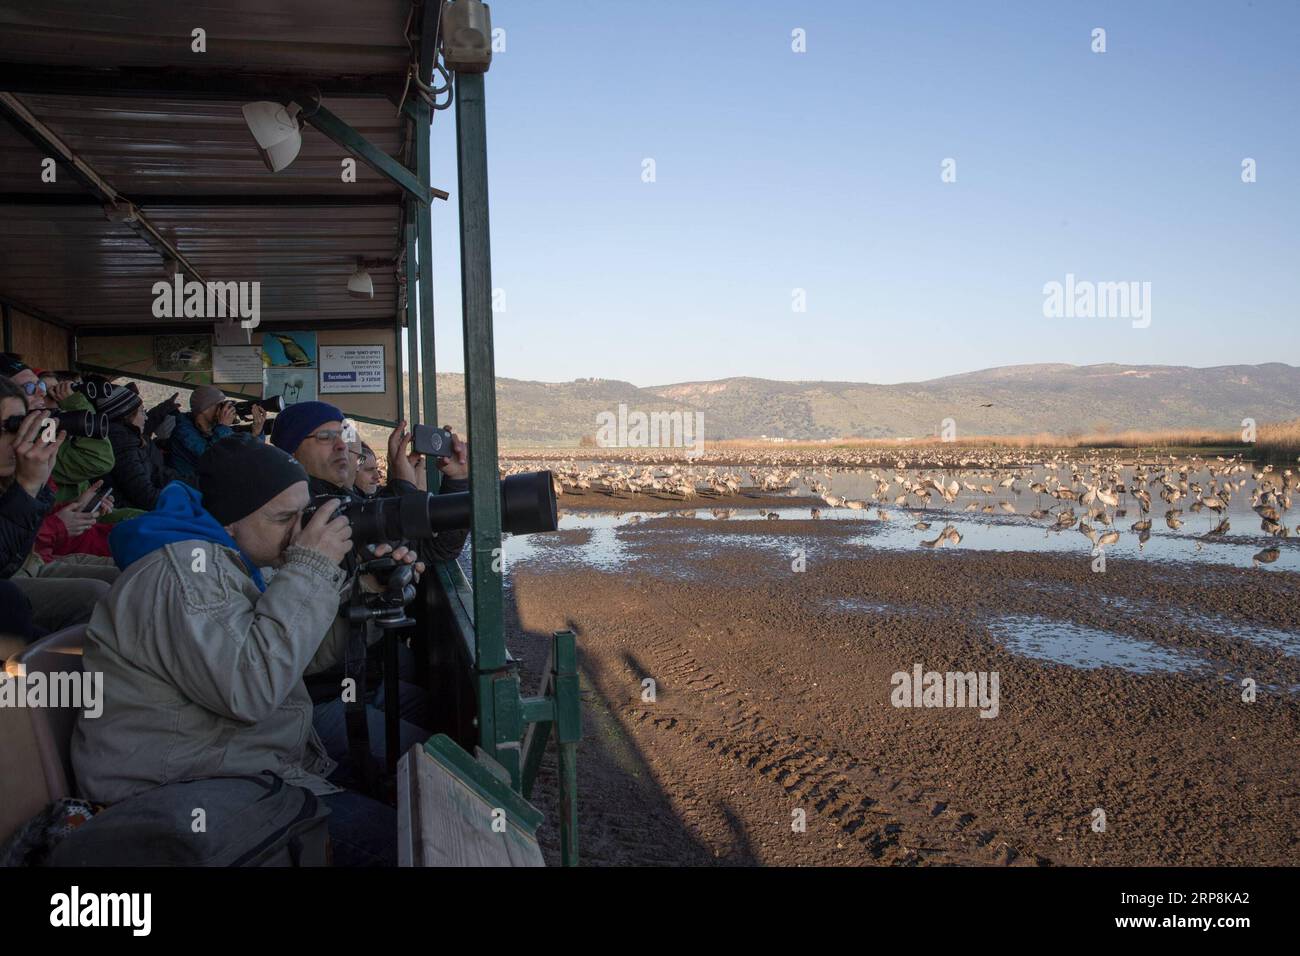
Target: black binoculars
(76, 424)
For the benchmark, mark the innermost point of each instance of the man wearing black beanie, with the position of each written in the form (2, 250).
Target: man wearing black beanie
(203, 657)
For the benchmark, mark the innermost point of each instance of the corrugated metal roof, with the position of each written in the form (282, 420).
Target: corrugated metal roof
(173, 146)
(190, 164)
(293, 36)
(76, 265)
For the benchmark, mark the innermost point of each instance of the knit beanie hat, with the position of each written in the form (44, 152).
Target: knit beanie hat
(239, 474)
(299, 420)
(11, 364)
(115, 401)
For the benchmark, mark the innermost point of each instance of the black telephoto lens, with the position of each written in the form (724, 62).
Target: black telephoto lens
(527, 507)
(270, 405)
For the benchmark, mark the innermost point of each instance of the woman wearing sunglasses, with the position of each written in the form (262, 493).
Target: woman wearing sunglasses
(80, 460)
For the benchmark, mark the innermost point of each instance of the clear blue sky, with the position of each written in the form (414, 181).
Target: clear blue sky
(821, 170)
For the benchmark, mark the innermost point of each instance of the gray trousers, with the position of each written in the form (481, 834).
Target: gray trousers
(63, 593)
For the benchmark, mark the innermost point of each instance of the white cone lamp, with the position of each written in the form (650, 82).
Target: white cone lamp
(360, 285)
(276, 131)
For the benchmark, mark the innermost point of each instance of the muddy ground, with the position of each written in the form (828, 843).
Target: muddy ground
(773, 696)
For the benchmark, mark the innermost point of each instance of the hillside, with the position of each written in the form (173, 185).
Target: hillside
(1024, 399)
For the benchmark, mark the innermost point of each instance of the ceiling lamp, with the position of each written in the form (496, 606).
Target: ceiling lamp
(277, 133)
(360, 285)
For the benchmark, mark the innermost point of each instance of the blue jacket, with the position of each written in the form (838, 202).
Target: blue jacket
(187, 445)
(178, 516)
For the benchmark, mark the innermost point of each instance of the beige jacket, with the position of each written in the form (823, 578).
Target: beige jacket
(203, 673)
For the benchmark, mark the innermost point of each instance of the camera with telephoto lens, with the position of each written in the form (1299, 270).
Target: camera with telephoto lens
(245, 409)
(527, 507)
(76, 424)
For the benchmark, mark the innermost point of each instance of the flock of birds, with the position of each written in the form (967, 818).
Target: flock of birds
(1089, 493)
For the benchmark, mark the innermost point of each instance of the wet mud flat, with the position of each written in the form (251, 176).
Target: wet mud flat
(1121, 736)
(602, 501)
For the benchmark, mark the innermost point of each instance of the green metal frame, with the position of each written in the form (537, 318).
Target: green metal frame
(412, 321)
(512, 729)
(347, 137)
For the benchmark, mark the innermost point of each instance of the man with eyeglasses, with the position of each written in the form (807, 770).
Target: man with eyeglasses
(316, 435)
(81, 460)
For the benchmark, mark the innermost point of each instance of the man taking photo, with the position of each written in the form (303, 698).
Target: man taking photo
(203, 657)
(314, 432)
(211, 418)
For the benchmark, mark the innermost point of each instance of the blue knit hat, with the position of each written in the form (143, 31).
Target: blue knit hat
(298, 421)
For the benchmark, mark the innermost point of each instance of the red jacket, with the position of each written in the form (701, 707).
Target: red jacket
(52, 539)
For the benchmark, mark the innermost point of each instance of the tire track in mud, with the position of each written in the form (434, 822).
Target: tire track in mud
(888, 822)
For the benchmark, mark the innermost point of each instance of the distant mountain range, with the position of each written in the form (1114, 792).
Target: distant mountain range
(1011, 400)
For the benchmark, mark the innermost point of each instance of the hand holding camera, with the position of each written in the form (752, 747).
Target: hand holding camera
(400, 556)
(324, 534)
(455, 463)
(405, 454)
(399, 462)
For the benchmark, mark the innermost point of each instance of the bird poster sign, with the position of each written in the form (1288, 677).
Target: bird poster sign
(292, 385)
(289, 350)
(289, 366)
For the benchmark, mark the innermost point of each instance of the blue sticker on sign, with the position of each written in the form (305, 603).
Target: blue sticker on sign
(340, 376)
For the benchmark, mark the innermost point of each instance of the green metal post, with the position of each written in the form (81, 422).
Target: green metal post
(568, 731)
(480, 395)
(508, 720)
(397, 355)
(424, 231)
(412, 324)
